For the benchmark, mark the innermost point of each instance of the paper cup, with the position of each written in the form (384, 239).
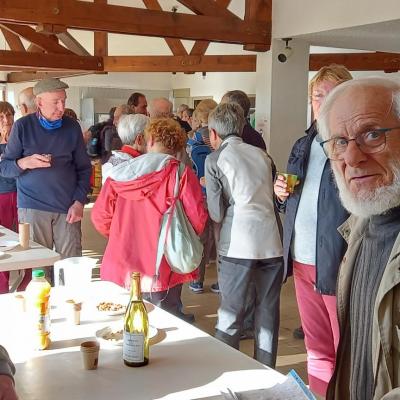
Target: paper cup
(73, 311)
(20, 302)
(290, 180)
(24, 233)
(90, 354)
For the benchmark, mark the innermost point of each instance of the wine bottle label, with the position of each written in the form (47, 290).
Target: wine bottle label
(133, 347)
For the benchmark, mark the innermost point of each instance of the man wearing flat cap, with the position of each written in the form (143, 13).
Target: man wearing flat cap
(47, 155)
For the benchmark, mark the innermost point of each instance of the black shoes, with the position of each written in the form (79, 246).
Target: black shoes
(298, 333)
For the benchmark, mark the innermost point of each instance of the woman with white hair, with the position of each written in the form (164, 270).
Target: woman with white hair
(131, 132)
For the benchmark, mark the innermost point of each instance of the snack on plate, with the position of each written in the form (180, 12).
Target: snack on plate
(113, 336)
(109, 306)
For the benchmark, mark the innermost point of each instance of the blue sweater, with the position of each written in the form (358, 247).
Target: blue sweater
(7, 185)
(52, 189)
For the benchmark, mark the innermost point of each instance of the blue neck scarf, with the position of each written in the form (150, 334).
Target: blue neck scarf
(49, 125)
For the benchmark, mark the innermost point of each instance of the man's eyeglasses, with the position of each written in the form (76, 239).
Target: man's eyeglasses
(369, 142)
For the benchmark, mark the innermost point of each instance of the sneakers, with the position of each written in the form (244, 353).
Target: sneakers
(247, 334)
(196, 287)
(298, 333)
(214, 287)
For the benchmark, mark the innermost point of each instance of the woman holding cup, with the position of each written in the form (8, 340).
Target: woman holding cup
(312, 246)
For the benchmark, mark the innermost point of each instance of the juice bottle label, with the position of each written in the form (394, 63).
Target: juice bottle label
(133, 347)
(43, 325)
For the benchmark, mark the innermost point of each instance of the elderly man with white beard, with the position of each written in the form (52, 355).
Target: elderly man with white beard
(360, 128)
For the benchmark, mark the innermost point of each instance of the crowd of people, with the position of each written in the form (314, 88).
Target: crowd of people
(339, 239)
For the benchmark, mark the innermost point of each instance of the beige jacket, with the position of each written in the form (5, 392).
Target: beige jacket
(386, 320)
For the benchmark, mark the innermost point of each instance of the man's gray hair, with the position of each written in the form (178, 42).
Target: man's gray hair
(226, 119)
(130, 126)
(386, 83)
(240, 97)
(160, 108)
(27, 97)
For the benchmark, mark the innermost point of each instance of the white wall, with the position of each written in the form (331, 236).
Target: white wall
(297, 17)
(281, 102)
(215, 84)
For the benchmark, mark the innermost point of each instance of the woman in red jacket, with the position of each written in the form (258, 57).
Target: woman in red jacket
(130, 207)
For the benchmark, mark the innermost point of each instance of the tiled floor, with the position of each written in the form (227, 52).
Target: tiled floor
(291, 352)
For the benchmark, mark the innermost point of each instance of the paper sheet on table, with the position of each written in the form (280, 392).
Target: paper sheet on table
(293, 388)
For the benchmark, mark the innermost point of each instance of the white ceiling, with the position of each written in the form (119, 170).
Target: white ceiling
(383, 36)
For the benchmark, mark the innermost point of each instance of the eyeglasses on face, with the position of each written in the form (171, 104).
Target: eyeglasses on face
(369, 142)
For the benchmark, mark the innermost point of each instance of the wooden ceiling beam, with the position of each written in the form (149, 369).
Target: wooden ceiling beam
(32, 48)
(13, 40)
(100, 38)
(379, 61)
(136, 21)
(208, 7)
(200, 46)
(50, 29)
(44, 42)
(19, 77)
(72, 44)
(259, 11)
(60, 31)
(226, 63)
(42, 61)
(175, 45)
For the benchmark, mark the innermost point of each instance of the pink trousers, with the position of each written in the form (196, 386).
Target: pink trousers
(9, 219)
(321, 329)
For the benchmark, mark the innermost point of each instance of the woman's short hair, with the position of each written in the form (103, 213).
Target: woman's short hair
(333, 72)
(167, 132)
(5, 107)
(130, 126)
(227, 119)
(203, 109)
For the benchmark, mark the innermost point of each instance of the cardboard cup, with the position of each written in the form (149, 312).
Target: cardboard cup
(90, 354)
(24, 234)
(290, 180)
(73, 312)
(20, 302)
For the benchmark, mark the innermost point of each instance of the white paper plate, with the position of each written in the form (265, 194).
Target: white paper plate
(6, 245)
(104, 335)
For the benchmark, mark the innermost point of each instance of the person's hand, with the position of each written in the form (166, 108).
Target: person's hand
(75, 212)
(203, 181)
(7, 388)
(34, 161)
(280, 188)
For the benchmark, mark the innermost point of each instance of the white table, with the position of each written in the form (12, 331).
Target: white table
(18, 258)
(21, 259)
(186, 363)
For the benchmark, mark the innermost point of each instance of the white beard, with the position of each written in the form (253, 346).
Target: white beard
(366, 203)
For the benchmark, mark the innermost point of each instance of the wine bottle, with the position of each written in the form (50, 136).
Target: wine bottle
(136, 328)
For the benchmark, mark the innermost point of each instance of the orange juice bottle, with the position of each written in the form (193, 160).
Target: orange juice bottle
(38, 307)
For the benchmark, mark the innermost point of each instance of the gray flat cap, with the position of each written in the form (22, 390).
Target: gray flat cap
(49, 85)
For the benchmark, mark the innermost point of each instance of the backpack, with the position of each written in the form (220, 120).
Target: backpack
(178, 241)
(198, 152)
(94, 145)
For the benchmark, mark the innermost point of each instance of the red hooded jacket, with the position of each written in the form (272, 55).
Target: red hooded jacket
(129, 210)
